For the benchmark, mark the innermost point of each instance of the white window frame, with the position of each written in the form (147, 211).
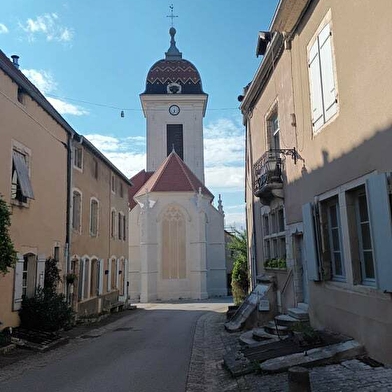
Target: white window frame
(113, 220)
(76, 149)
(92, 234)
(80, 212)
(322, 73)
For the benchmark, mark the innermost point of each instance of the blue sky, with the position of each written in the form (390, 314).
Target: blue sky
(90, 58)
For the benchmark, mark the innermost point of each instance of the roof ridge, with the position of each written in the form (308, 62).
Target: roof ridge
(181, 162)
(162, 169)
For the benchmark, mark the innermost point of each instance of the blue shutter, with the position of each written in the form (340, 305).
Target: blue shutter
(380, 222)
(311, 257)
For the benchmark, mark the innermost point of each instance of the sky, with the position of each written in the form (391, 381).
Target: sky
(90, 59)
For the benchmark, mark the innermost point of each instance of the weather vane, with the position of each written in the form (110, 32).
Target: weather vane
(172, 16)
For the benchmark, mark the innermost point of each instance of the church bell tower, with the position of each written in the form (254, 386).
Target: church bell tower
(174, 106)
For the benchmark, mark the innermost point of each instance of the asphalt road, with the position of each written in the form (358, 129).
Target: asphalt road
(149, 349)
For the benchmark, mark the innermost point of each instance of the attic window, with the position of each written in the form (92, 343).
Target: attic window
(21, 95)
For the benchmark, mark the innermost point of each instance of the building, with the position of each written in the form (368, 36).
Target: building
(330, 170)
(68, 202)
(177, 249)
(98, 231)
(33, 181)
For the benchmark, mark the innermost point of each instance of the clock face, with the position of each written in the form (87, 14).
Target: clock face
(174, 110)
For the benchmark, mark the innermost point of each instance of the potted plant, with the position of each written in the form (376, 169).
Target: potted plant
(70, 278)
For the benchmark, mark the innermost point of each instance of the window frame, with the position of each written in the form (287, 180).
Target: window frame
(92, 233)
(113, 214)
(79, 228)
(113, 184)
(78, 149)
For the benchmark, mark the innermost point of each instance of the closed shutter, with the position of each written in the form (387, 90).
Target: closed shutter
(381, 227)
(315, 87)
(125, 277)
(18, 282)
(110, 275)
(327, 72)
(81, 279)
(40, 271)
(311, 255)
(100, 276)
(117, 272)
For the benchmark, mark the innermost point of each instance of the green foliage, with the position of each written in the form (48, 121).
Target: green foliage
(7, 250)
(240, 274)
(47, 310)
(275, 263)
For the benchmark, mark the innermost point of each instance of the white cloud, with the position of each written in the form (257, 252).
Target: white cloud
(3, 29)
(45, 83)
(47, 25)
(225, 177)
(122, 152)
(235, 220)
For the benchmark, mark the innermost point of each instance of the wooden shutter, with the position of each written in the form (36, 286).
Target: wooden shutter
(315, 87)
(381, 228)
(311, 254)
(100, 276)
(125, 277)
(110, 275)
(327, 73)
(81, 280)
(117, 274)
(23, 175)
(18, 291)
(40, 271)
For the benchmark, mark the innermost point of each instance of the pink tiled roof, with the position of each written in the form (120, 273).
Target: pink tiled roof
(173, 176)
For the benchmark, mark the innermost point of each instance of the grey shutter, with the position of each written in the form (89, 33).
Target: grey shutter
(23, 175)
(117, 273)
(100, 276)
(40, 271)
(315, 87)
(311, 256)
(18, 290)
(327, 73)
(81, 280)
(110, 275)
(125, 277)
(380, 222)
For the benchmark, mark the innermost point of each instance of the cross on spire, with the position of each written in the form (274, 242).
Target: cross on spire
(172, 16)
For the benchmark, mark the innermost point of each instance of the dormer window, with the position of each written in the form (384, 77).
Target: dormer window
(174, 88)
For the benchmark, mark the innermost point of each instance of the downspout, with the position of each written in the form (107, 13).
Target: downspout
(69, 207)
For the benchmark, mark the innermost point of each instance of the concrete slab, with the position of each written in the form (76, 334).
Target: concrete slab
(317, 356)
(298, 313)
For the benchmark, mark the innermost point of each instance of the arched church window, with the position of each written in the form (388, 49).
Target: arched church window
(173, 244)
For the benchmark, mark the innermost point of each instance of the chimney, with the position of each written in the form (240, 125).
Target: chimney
(15, 59)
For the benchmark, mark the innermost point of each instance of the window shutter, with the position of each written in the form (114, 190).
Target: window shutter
(381, 227)
(110, 275)
(315, 87)
(311, 256)
(23, 175)
(40, 271)
(100, 276)
(327, 73)
(117, 270)
(18, 291)
(81, 280)
(125, 277)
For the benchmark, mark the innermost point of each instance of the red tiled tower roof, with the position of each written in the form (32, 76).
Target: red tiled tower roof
(173, 176)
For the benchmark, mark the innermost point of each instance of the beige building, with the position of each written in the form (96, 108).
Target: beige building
(98, 231)
(33, 181)
(318, 136)
(67, 200)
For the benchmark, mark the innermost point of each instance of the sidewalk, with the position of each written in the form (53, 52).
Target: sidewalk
(206, 372)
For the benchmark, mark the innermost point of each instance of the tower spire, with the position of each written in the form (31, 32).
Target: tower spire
(173, 53)
(172, 16)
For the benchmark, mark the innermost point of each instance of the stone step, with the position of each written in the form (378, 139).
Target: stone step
(286, 320)
(303, 306)
(276, 329)
(314, 357)
(260, 334)
(247, 339)
(298, 313)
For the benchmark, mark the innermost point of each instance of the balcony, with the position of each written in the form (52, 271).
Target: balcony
(268, 180)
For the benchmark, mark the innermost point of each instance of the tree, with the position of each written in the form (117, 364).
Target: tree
(240, 274)
(7, 250)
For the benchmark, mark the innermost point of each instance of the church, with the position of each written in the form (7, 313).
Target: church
(176, 235)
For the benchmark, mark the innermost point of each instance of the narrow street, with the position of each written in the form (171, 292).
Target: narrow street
(147, 350)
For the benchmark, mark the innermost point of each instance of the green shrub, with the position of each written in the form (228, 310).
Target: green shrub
(7, 250)
(275, 263)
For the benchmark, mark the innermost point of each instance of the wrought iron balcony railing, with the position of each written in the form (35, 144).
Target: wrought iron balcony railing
(267, 173)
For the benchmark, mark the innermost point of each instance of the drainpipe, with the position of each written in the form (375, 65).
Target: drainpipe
(69, 207)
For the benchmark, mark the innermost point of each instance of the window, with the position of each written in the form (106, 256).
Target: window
(333, 238)
(94, 278)
(173, 244)
(266, 224)
(95, 168)
(121, 190)
(29, 278)
(113, 224)
(274, 237)
(281, 220)
(124, 227)
(80, 280)
(174, 138)
(114, 274)
(21, 95)
(86, 278)
(120, 225)
(113, 184)
(56, 253)
(94, 217)
(273, 131)
(21, 188)
(78, 157)
(365, 240)
(76, 210)
(322, 80)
